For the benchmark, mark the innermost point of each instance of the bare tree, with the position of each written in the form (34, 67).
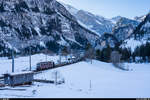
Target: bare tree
(65, 52)
(89, 53)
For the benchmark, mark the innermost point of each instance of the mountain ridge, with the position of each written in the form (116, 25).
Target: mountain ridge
(40, 23)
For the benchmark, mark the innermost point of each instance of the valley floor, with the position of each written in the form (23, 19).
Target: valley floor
(82, 80)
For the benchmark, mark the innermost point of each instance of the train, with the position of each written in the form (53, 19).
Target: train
(50, 64)
(45, 65)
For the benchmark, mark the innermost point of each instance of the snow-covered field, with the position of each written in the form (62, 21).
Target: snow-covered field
(105, 81)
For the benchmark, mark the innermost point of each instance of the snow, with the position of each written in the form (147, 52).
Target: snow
(42, 44)
(74, 41)
(88, 27)
(3, 58)
(16, 73)
(9, 45)
(98, 22)
(147, 25)
(63, 42)
(132, 43)
(106, 81)
(38, 31)
(71, 9)
(113, 21)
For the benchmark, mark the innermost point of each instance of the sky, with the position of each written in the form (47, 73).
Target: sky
(112, 8)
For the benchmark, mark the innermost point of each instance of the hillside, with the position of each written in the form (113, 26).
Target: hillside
(140, 36)
(95, 23)
(40, 24)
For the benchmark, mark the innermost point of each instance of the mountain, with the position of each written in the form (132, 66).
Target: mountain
(106, 40)
(40, 24)
(71, 9)
(120, 27)
(115, 19)
(140, 36)
(124, 28)
(95, 23)
(140, 18)
(143, 30)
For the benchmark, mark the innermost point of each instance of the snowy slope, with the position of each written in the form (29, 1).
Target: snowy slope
(106, 82)
(133, 44)
(89, 27)
(71, 9)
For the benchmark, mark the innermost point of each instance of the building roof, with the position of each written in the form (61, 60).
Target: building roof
(19, 73)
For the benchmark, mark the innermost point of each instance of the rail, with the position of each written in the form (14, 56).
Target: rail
(60, 65)
(47, 81)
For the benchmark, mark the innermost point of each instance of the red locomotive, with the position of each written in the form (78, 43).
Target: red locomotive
(45, 65)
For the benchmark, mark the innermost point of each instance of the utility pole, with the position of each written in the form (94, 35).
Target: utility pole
(30, 56)
(56, 78)
(46, 54)
(60, 56)
(13, 61)
(90, 85)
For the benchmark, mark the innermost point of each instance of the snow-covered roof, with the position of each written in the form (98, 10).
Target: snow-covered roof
(20, 73)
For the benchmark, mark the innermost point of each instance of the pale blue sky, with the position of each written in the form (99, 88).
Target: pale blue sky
(111, 8)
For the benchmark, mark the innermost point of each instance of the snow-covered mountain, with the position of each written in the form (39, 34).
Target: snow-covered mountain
(120, 27)
(140, 18)
(93, 22)
(124, 28)
(115, 19)
(71, 9)
(143, 30)
(41, 24)
(140, 36)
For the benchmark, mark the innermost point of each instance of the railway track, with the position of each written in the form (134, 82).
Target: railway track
(43, 81)
(57, 66)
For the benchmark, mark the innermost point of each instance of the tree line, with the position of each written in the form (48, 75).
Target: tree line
(140, 54)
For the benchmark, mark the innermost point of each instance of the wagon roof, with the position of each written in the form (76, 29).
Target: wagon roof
(46, 62)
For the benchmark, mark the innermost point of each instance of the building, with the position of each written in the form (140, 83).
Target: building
(15, 79)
